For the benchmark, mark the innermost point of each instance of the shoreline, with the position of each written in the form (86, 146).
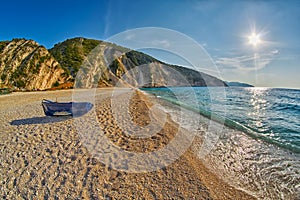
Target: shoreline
(247, 163)
(232, 124)
(45, 157)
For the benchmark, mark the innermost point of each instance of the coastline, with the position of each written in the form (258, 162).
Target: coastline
(45, 157)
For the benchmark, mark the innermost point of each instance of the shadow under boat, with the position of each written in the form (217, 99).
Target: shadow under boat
(39, 120)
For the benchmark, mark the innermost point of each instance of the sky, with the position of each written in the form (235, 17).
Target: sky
(270, 58)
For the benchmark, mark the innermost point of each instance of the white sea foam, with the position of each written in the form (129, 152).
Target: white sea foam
(256, 167)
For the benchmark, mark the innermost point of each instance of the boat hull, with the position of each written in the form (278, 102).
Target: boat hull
(65, 108)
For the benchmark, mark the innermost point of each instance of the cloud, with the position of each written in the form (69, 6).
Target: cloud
(129, 36)
(163, 43)
(247, 62)
(107, 19)
(275, 52)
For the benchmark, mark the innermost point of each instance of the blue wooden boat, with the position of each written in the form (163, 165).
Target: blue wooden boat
(52, 108)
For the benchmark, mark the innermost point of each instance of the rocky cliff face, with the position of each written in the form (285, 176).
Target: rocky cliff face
(122, 66)
(143, 70)
(24, 64)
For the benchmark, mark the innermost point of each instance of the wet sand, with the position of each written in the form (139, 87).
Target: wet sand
(46, 158)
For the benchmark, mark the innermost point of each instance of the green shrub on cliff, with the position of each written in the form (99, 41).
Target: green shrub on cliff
(72, 52)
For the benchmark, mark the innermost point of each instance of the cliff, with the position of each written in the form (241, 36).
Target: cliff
(26, 65)
(133, 67)
(154, 73)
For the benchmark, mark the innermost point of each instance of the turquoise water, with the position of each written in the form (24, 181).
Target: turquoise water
(258, 149)
(269, 114)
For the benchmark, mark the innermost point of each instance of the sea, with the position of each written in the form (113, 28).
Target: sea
(258, 150)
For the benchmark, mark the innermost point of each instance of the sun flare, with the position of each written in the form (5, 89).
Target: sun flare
(254, 39)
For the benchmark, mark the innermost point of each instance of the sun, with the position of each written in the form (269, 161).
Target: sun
(254, 39)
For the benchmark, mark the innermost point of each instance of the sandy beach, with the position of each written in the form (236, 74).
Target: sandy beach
(46, 158)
